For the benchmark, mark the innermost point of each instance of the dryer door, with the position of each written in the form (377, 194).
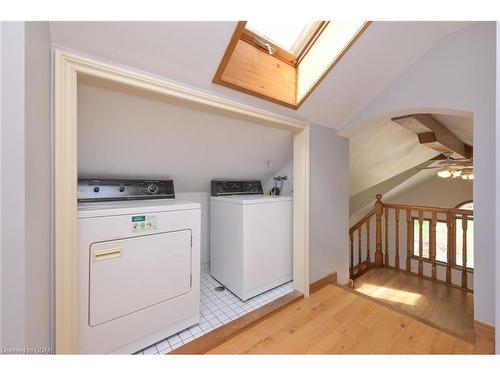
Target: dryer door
(132, 274)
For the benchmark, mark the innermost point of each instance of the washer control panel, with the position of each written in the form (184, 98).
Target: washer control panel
(97, 190)
(227, 187)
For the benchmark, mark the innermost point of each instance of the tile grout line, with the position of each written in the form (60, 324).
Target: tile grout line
(216, 310)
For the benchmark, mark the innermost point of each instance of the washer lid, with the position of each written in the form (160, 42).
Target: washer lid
(252, 199)
(99, 209)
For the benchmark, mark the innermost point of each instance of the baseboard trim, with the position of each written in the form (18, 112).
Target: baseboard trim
(484, 330)
(324, 281)
(218, 336)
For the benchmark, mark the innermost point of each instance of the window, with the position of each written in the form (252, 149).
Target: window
(290, 36)
(425, 238)
(441, 242)
(467, 205)
(441, 239)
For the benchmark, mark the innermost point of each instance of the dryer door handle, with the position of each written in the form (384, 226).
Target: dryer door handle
(107, 254)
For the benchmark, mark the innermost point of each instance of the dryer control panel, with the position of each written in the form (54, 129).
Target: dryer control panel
(97, 190)
(247, 187)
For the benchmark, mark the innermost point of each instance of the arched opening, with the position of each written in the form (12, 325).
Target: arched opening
(417, 241)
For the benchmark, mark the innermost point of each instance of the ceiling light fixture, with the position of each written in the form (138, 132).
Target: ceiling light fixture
(444, 173)
(467, 175)
(451, 173)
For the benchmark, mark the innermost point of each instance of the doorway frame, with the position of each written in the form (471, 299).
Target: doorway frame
(68, 67)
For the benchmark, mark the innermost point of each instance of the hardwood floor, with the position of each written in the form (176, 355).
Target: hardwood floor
(336, 321)
(444, 307)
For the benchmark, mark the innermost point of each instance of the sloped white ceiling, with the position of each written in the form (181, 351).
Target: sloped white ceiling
(381, 149)
(190, 52)
(127, 133)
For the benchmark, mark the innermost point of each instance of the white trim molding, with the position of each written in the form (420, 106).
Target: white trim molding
(67, 69)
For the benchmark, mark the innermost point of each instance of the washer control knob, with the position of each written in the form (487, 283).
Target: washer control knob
(122, 189)
(96, 189)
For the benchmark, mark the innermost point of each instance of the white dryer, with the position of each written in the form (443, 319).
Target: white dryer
(250, 238)
(138, 265)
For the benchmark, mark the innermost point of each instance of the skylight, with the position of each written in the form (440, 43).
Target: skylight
(284, 61)
(289, 35)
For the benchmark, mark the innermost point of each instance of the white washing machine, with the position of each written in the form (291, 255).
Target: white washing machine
(250, 238)
(138, 264)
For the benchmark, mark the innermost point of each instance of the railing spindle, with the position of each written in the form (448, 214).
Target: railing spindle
(432, 250)
(396, 260)
(449, 246)
(424, 214)
(379, 261)
(359, 248)
(351, 268)
(408, 240)
(368, 260)
(420, 242)
(464, 250)
(386, 217)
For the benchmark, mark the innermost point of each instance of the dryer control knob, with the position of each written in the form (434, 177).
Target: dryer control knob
(96, 189)
(152, 188)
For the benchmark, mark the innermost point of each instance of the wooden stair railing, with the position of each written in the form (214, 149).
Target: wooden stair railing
(420, 257)
(361, 266)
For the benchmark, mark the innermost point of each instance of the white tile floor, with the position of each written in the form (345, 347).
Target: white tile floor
(217, 309)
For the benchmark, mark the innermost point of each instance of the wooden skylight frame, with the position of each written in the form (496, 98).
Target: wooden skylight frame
(247, 65)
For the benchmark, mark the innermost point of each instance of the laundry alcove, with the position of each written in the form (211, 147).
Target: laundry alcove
(130, 133)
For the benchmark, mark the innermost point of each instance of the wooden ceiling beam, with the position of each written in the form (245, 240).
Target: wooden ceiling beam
(435, 135)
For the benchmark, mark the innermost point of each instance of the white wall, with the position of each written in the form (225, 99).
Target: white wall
(25, 189)
(13, 186)
(286, 170)
(329, 204)
(1, 86)
(203, 198)
(424, 189)
(458, 74)
(38, 184)
(129, 133)
(433, 191)
(497, 222)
